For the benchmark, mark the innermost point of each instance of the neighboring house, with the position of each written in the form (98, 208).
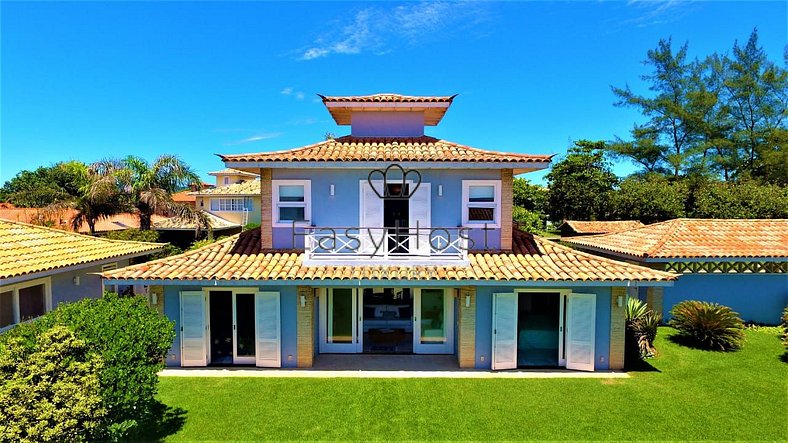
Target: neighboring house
(43, 267)
(391, 241)
(230, 176)
(61, 219)
(181, 232)
(738, 263)
(237, 203)
(188, 197)
(571, 228)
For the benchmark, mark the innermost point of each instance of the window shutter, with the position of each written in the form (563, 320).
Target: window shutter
(371, 215)
(214, 204)
(419, 213)
(267, 330)
(504, 349)
(580, 330)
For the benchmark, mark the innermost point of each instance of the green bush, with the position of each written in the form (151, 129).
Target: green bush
(149, 236)
(529, 221)
(52, 393)
(131, 338)
(641, 328)
(708, 325)
(743, 200)
(650, 199)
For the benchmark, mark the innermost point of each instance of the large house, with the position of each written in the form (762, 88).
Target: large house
(738, 263)
(43, 267)
(388, 240)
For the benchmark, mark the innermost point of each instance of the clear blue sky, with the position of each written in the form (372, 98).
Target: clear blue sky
(103, 79)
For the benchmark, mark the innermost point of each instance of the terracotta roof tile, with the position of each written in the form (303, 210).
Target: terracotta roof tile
(178, 223)
(387, 98)
(61, 219)
(249, 187)
(240, 258)
(602, 227)
(231, 171)
(391, 149)
(695, 238)
(26, 249)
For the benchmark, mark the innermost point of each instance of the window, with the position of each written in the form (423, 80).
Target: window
(226, 180)
(291, 202)
(24, 301)
(227, 204)
(481, 202)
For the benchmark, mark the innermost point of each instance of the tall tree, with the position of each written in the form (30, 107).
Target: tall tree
(45, 185)
(756, 93)
(149, 187)
(668, 140)
(579, 186)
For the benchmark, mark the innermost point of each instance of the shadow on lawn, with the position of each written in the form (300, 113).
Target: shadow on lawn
(165, 421)
(637, 364)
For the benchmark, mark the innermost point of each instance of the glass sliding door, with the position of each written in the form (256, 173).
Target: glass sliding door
(434, 321)
(339, 321)
(244, 352)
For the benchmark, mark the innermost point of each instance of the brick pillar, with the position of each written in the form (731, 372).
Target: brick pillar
(266, 212)
(618, 321)
(654, 296)
(507, 197)
(305, 329)
(466, 330)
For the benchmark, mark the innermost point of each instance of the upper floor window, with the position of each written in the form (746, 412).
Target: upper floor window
(481, 202)
(292, 201)
(226, 180)
(24, 301)
(227, 204)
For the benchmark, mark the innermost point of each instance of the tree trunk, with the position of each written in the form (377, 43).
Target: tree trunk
(145, 221)
(92, 227)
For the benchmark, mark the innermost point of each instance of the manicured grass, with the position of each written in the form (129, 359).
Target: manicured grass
(691, 395)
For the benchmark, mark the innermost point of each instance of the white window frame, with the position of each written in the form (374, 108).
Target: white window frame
(14, 289)
(466, 187)
(276, 204)
(230, 204)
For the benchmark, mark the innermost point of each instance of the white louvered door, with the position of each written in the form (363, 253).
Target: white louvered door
(267, 330)
(504, 346)
(194, 328)
(580, 330)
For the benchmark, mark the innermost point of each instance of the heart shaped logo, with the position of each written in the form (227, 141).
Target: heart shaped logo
(387, 175)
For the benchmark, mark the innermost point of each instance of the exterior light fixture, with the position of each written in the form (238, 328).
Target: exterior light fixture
(440, 190)
(331, 190)
(75, 280)
(303, 301)
(620, 301)
(467, 301)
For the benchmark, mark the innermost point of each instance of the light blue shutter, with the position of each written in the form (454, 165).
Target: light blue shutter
(214, 204)
(580, 330)
(194, 327)
(504, 348)
(267, 330)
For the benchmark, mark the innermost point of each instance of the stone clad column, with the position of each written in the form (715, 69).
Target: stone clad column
(507, 196)
(266, 212)
(466, 330)
(305, 328)
(618, 325)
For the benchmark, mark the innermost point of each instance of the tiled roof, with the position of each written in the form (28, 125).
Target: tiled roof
(393, 149)
(240, 258)
(178, 223)
(249, 187)
(119, 222)
(26, 249)
(184, 197)
(231, 171)
(388, 98)
(695, 238)
(602, 227)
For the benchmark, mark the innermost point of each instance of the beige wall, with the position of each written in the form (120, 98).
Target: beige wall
(232, 179)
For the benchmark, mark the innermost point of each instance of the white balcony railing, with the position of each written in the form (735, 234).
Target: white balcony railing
(382, 245)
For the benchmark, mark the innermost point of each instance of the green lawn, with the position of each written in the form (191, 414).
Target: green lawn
(691, 395)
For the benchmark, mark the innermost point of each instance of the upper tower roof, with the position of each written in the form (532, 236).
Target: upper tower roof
(433, 107)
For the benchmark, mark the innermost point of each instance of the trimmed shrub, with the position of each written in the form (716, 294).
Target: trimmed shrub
(131, 338)
(708, 325)
(641, 328)
(52, 393)
(529, 221)
(133, 234)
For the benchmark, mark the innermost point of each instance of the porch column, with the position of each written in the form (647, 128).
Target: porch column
(507, 196)
(618, 325)
(305, 333)
(654, 296)
(266, 212)
(466, 328)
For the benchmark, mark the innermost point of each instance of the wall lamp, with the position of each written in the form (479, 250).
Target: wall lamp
(620, 301)
(331, 190)
(440, 190)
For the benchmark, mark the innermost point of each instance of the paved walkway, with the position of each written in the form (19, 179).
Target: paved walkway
(313, 373)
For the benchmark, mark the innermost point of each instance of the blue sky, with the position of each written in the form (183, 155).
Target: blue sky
(103, 79)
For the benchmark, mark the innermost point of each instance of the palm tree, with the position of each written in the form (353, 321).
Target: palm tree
(96, 198)
(148, 187)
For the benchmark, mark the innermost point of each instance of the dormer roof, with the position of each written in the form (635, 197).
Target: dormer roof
(349, 151)
(433, 107)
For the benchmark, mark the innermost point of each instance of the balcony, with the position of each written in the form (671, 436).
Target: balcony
(386, 246)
